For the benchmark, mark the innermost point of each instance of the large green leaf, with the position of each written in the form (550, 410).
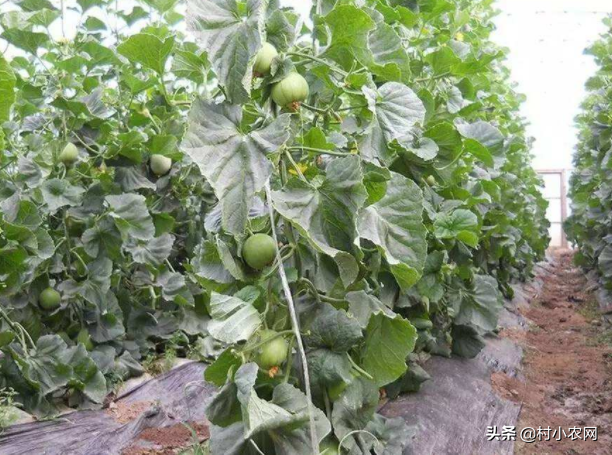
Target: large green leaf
(478, 307)
(7, 89)
(349, 26)
(131, 215)
(207, 263)
(86, 376)
(148, 50)
(605, 262)
(233, 319)
(396, 111)
(354, 410)
(390, 59)
(231, 34)
(153, 252)
(362, 306)
(452, 225)
(326, 213)
(59, 193)
(283, 420)
(25, 39)
(395, 225)
(388, 342)
(485, 133)
(235, 163)
(44, 367)
(334, 330)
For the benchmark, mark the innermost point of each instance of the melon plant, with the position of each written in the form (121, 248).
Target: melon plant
(89, 209)
(387, 160)
(381, 162)
(589, 226)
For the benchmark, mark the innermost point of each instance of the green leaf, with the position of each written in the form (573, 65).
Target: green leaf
(44, 367)
(6, 338)
(88, 4)
(207, 263)
(485, 133)
(475, 148)
(362, 306)
(216, 143)
(334, 330)
(101, 239)
(131, 179)
(467, 342)
(442, 60)
(390, 60)
(131, 215)
(326, 214)
(327, 368)
(218, 371)
(234, 319)
(397, 110)
(174, 288)
(162, 5)
(295, 438)
(86, 376)
(26, 40)
(354, 410)
(395, 225)
(279, 31)
(12, 259)
(231, 35)
(148, 50)
(189, 65)
(35, 5)
(388, 341)
(605, 261)
(480, 307)
(7, 89)
(152, 252)
(449, 226)
(59, 193)
(349, 26)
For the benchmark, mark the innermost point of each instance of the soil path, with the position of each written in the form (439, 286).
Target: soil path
(567, 379)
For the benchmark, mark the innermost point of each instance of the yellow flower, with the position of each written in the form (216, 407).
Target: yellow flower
(459, 36)
(302, 168)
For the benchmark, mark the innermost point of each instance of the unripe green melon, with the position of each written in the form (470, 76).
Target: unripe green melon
(264, 58)
(291, 91)
(160, 164)
(259, 251)
(49, 299)
(69, 154)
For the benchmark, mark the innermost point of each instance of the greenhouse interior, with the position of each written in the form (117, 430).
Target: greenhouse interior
(291, 227)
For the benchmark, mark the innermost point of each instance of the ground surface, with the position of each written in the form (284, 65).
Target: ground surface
(567, 367)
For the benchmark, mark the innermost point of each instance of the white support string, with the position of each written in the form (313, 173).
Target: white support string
(295, 323)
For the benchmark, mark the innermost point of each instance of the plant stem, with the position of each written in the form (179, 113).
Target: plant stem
(358, 368)
(295, 166)
(18, 330)
(433, 78)
(63, 12)
(298, 148)
(314, 440)
(319, 60)
(351, 108)
(315, 109)
(452, 162)
(289, 361)
(312, 288)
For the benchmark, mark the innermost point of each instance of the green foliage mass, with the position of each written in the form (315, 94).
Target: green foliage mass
(589, 225)
(400, 190)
